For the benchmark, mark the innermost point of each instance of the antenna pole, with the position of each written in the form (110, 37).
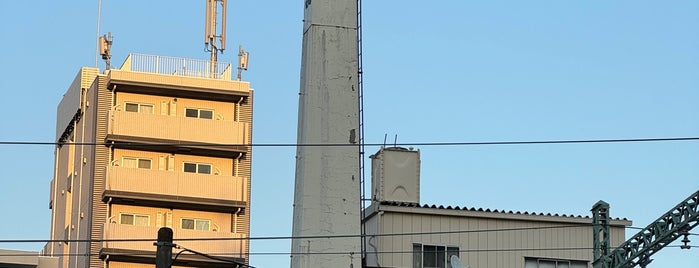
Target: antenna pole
(242, 61)
(99, 14)
(105, 49)
(213, 32)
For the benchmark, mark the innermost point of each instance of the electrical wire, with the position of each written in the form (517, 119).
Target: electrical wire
(581, 225)
(532, 142)
(238, 264)
(229, 254)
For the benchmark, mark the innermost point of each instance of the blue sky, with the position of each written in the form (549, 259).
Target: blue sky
(440, 71)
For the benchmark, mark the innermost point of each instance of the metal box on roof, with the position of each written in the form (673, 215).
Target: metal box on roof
(395, 175)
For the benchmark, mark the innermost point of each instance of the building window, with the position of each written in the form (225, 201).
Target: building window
(134, 219)
(433, 256)
(548, 263)
(196, 224)
(199, 113)
(135, 162)
(138, 107)
(197, 168)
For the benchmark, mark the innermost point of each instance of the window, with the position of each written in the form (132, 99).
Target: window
(433, 256)
(196, 224)
(134, 219)
(135, 162)
(197, 168)
(548, 263)
(138, 107)
(199, 113)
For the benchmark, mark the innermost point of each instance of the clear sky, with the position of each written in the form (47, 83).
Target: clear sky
(435, 71)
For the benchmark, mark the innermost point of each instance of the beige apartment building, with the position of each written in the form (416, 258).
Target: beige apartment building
(159, 142)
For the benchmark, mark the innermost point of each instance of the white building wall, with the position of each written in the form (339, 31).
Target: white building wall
(480, 248)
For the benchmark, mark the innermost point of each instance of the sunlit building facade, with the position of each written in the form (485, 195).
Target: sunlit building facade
(159, 142)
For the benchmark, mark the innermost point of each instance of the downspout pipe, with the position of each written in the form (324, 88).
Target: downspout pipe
(55, 196)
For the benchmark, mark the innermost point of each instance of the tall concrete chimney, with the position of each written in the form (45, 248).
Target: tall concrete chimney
(326, 196)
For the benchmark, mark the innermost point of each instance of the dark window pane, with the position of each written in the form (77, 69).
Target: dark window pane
(204, 169)
(441, 257)
(189, 167)
(206, 114)
(191, 113)
(547, 264)
(188, 224)
(131, 107)
(127, 219)
(429, 256)
(144, 163)
(417, 256)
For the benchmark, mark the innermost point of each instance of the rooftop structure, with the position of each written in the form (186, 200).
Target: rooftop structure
(25, 259)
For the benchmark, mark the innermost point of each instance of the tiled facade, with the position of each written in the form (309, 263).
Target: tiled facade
(144, 149)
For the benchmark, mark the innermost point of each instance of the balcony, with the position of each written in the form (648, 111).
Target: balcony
(233, 245)
(179, 131)
(175, 189)
(177, 77)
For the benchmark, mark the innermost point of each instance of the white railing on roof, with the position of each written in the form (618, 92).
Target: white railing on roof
(177, 66)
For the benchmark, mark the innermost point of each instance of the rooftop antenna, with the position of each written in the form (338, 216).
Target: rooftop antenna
(99, 13)
(242, 61)
(105, 46)
(215, 36)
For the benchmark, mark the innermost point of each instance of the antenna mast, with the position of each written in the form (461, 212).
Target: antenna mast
(105, 47)
(242, 61)
(213, 32)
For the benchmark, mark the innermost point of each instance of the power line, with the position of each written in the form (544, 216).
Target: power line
(230, 254)
(581, 225)
(477, 143)
(238, 264)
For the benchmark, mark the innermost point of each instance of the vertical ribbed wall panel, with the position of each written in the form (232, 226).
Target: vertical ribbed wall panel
(246, 170)
(99, 208)
(568, 239)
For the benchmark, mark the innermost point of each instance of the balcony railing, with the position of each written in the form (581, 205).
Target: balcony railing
(174, 183)
(177, 66)
(235, 247)
(177, 128)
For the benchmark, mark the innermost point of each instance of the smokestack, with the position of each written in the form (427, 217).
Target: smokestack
(326, 196)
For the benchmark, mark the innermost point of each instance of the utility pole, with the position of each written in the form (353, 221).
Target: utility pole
(638, 249)
(163, 254)
(600, 233)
